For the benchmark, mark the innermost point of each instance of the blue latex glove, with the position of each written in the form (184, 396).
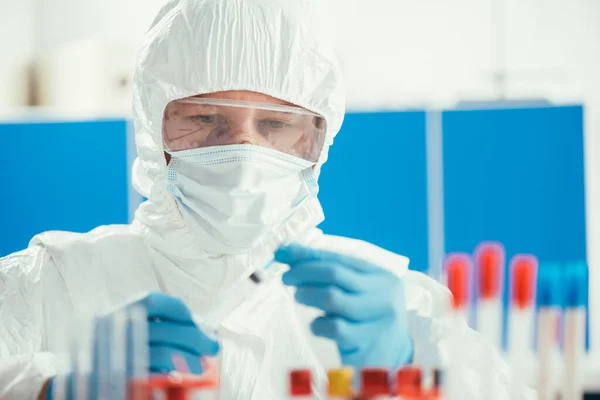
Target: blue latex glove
(171, 330)
(364, 305)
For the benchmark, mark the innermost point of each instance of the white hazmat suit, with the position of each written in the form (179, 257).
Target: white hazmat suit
(274, 47)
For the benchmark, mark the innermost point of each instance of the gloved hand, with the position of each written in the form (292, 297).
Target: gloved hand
(171, 332)
(364, 305)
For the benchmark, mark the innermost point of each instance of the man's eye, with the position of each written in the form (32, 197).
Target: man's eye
(206, 119)
(274, 124)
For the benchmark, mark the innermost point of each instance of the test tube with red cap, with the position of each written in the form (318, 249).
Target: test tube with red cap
(523, 269)
(489, 261)
(300, 384)
(182, 387)
(375, 384)
(409, 383)
(458, 267)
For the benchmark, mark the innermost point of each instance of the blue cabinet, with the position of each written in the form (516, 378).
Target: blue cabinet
(516, 176)
(374, 187)
(61, 176)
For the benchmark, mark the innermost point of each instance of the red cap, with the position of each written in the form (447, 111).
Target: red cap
(375, 382)
(457, 270)
(300, 382)
(523, 267)
(409, 382)
(177, 387)
(177, 393)
(489, 258)
(138, 389)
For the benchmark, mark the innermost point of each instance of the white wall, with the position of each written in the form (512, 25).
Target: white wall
(17, 45)
(30, 29)
(394, 52)
(444, 50)
(403, 51)
(111, 19)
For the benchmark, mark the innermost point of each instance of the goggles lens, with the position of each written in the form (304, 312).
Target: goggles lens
(193, 123)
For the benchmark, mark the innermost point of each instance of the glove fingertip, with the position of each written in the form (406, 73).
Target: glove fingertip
(316, 326)
(299, 296)
(291, 253)
(287, 279)
(214, 348)
(284, 254)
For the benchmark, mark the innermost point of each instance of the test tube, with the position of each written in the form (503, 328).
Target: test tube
(137, 352)
(102, 353)
(438, 384)
(489, 259)
(520, 334)
(60, 387)
(81, 355)
(64, 337)
(339, 385)
(118, 355)
(300, 384)
(549, 301)
(74, 363)
(458, 270)
(409, 383)
(574, 330)
(375, 383)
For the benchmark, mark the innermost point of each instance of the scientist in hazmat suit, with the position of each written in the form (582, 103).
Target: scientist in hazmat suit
(236, 103)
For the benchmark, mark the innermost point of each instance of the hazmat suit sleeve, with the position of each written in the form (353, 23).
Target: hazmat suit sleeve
(24, 366)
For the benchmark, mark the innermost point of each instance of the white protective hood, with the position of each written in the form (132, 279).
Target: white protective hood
(274, 47)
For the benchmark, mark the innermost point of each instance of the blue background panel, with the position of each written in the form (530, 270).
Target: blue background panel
(516, 176)
(374, 187)
(61, 176)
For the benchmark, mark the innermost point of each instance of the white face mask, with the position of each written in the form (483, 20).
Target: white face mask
(236, 195)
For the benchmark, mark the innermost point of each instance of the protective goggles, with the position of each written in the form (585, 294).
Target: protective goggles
(193, 123)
